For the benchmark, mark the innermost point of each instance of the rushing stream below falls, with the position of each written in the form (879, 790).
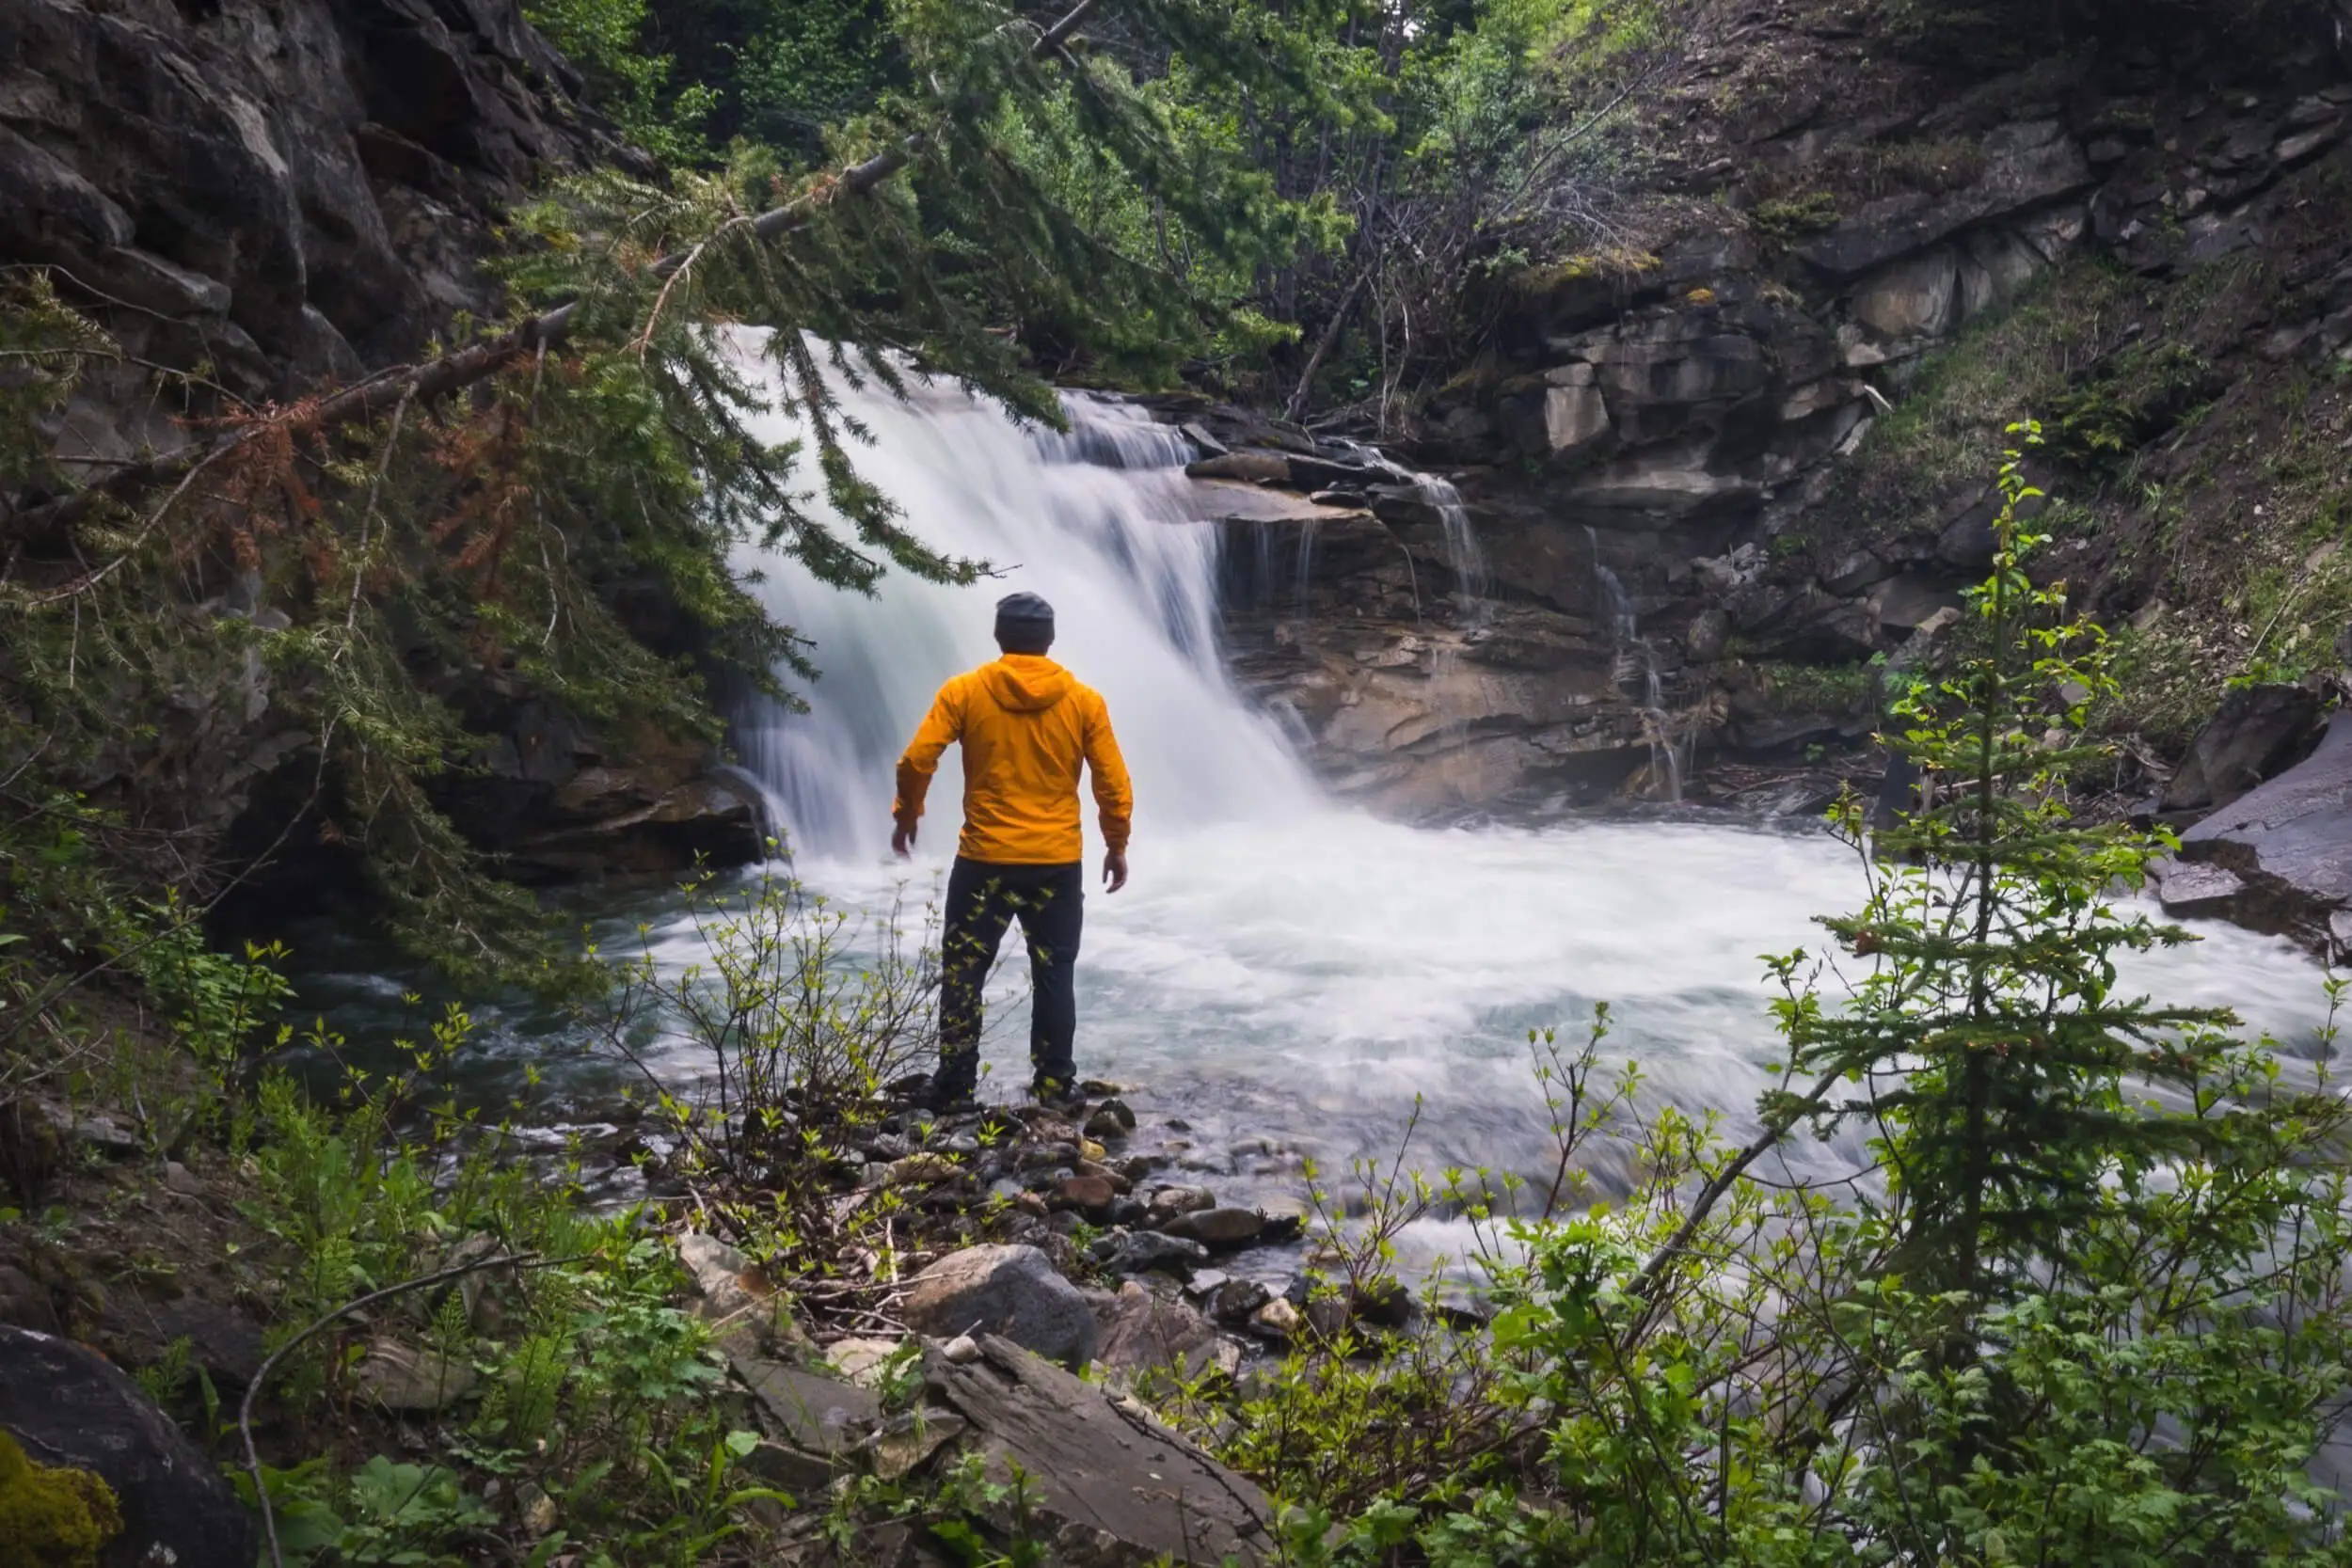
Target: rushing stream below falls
(1284, 975)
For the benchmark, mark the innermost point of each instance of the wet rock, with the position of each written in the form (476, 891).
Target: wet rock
(1143, 1333)
(2255, 733)
(1166, 1203)
(1150, 1252)
(66, 1405)
(1218, 1229)
(1088, 1195)
(1237, 1301)
(1250, 468)
(401, 1377)
(1108, 1486)
(1013, 1292)
(1278, 1320)
(2194, 892)
(2289, 841)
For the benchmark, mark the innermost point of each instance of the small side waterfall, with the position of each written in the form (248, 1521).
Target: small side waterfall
(1098, 520)
(1637, 663)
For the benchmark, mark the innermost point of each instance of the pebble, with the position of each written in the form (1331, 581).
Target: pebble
(1218, 1227)
(962, 1350)
(1278, 1320)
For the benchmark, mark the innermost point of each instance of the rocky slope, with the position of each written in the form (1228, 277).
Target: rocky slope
(276, 197)
(1713, 474)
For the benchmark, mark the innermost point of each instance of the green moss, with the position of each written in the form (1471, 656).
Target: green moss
(53, 1518)
(1788, 217)
(2133, 397)
(1820, 687)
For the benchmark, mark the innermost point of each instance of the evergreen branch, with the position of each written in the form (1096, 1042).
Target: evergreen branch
(453, 372)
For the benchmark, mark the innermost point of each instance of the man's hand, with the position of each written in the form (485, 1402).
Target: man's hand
(902, 839)
(1115, 870)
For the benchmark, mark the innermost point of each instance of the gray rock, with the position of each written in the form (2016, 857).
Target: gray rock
(2288, 840)
(1218, 1229)
(1009, 1291)
(1171, 1202)
(2256, 732)
(68, 1406)
(1108, 1486)
(1855, 571)
(908, 1441)
(1237, 1300)
(815, 1414)
(401, 1377)
(1144, 1335)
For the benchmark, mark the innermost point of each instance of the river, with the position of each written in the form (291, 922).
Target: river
(1284, 976)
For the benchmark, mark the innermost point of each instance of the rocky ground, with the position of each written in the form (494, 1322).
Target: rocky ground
(1025, 1245)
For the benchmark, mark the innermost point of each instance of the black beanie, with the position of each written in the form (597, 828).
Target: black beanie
(1025, 623)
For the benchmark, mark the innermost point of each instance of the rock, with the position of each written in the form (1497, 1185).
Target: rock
(180, 1181)
(925, 1169)
(1150, 1251)
(1914, 298)
(723, 1276)
(1576, 420)
(1709, 636)
(962, 1350)
(2257, 731)
(816, 1414)
(1113, 1118)
(24, 1301)
(1169, 1202)
(1382, 1303)
(2288, 840)
(1204, 1281)
(1143, 1334)
(1218, 1229)
(1251, 468)
(400, 1377)
(1902, 603)
(69, 1407)
(1088, 1195)
(1278, 1320)
(2194, 892)
(909, 1440)
(1108, 1485)
(862, 1360)
(1855, 571)
(2028, 165)
(1012, 1292)
(222, 1341)
(1237, 1300)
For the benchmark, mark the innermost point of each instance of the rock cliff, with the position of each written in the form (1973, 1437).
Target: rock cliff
(274, 197)
(1703, 473)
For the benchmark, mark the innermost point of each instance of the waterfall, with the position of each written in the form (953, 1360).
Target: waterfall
(1462, 554)
(1638, 659)
(1099, 521)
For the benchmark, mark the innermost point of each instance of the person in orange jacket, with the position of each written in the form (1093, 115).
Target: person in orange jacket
(1025, 726)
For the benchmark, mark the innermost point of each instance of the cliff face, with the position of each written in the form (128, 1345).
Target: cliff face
(1715, 472)
(278, 196)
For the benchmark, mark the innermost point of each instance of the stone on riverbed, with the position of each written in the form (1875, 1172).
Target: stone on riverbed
(1148, 1251)
(1218, 1227)
(1010, 1291)
(1166, 1203)
(1143, 1333)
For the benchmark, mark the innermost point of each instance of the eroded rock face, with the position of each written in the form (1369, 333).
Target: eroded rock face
(2279, 857)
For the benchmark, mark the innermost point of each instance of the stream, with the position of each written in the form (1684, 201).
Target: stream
(1285, 977)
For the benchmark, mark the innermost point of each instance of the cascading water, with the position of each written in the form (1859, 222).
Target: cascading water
(1638, 661)
(1099, 522)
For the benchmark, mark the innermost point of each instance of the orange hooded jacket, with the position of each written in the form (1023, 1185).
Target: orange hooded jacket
(1025, 726)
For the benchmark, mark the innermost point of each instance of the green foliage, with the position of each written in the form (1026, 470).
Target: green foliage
(2086, 1305)
(606, 40)
(1785, 218)
(1835, 688)
(50, 1517)
(2129, 399)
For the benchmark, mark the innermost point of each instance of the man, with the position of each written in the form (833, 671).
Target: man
(1025, 726)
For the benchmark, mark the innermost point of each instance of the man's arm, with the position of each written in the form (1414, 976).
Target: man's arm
(1114, 792)
(941, 728)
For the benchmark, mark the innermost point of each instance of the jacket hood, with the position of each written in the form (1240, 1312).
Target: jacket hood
(1025, 683)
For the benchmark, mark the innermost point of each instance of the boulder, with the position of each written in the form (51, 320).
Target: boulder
(2289, 841)
(1576, 420)
(1090, 1196)
(1012, 1292)
(1107, 1485)
(1915, 297)
(1144, 1333)
(1218, 1229)
(2257, 731)
(818, 1415)
(69, 1407)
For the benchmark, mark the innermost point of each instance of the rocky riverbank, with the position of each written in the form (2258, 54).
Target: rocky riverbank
(1013, 1247)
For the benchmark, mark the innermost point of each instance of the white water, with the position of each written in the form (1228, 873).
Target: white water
(1280, 967)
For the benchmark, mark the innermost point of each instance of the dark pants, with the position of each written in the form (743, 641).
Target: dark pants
(983, 899)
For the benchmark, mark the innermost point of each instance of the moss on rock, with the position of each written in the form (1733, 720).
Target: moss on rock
(52, 1517)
